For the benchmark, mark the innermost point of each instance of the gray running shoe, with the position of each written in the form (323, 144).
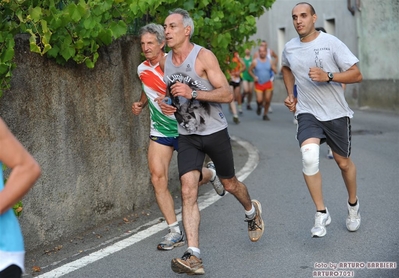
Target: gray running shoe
(188, 263)
(353, 220)
(171, 241)
(320, 222)
(256, 226)
(217, 185)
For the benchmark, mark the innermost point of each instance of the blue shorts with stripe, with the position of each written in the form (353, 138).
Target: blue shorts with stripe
(167, 141)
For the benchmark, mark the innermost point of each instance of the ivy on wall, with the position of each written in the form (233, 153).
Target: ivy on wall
(75, 29)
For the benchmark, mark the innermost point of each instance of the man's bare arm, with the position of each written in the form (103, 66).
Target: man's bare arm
(207, 67)
(289, 82)
(251, 70)
(25, 170)
(275, 58)
(352, 75)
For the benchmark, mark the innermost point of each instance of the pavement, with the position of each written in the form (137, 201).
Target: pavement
(55, 254)
(270, 164)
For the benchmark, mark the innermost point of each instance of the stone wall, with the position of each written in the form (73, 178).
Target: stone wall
(78, 124)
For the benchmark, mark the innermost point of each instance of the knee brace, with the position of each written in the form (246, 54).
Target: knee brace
(310, 159)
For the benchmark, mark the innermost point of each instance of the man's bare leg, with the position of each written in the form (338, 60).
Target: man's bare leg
(159, 157)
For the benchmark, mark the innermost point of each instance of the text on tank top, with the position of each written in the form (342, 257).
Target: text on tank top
(193, 116)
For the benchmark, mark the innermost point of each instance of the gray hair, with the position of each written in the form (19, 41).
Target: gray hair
(187, 20)
(155, 29)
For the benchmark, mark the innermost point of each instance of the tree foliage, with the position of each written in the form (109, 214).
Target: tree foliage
(75, 29)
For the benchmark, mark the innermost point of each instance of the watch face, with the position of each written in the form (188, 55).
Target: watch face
(330, 75)
(193, 94)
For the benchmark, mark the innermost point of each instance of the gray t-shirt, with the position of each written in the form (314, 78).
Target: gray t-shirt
(193, 116)
(325, 100)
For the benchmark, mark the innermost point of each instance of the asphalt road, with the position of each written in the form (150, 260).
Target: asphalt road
(268, 160)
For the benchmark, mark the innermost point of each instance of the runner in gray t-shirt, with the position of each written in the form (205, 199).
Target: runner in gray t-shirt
(318, 63)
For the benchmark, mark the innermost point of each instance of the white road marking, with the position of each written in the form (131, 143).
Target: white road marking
(204, 201)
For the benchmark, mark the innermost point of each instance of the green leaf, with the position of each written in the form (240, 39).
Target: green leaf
(82, 8)
(89, 63)
(3, 68)
(74, 12)
(44, 25)
(105, 36)
(134, 9)
(142, 6)
(36, 13)
(67, 52)
(55, 22)
(203, 3)
(18, 209)
(118, 28)
(7, 55)
(46, 48)
(53, 52)
(89, 22)
(189, 5)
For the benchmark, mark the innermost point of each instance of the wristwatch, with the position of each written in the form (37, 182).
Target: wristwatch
(194, 94)
(330, 76)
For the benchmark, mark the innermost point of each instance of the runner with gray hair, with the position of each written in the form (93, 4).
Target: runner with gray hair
(163, 132)
(197, 87)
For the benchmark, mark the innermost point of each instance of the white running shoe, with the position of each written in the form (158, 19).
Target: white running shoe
(353, 220)
(171, 241)
(320, 222)
(217, 185)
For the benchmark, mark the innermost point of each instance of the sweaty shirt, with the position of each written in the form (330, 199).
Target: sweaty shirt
(325, 100)
(193, 116)
(151, 77)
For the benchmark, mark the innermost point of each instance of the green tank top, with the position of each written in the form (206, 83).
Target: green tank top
(245, 75)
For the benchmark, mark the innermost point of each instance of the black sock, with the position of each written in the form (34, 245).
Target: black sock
(322, 211)
(353, 205)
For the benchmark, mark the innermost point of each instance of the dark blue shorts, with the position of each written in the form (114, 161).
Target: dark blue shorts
(167, 141)
(193, 148)
(337, 132)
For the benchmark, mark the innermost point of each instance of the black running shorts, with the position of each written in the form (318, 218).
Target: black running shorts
(193, 148)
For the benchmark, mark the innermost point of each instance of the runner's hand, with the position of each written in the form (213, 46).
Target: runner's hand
(137, 107)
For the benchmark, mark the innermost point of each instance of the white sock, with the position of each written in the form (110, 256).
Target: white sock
(196, 252)
(174, 227)
(251, 213)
